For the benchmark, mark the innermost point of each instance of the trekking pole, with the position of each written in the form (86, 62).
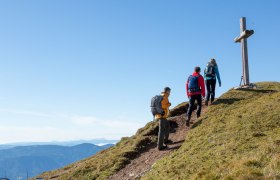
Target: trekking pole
(241, 80)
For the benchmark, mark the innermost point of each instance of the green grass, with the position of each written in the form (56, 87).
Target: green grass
(238, 138)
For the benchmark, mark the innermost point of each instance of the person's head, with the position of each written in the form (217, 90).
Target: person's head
(213, 61)
(197, 69)
(167, 90)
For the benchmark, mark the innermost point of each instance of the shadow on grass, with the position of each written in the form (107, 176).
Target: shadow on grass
(174, 148)
(178, 142)
(258, 90)
(197, 123)
(226, 101)
(230, 101)
(178, 145)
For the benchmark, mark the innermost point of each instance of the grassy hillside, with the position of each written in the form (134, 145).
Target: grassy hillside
(238, 138)
(105, 163)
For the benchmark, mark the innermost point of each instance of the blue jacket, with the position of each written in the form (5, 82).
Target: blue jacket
(216, 69)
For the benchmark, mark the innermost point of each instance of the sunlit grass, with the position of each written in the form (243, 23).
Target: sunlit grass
(238, 138)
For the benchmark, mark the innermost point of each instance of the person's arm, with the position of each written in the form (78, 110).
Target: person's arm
(187, 88)
(205, 72)
(202, 85)
(169, 104)
(218, 75)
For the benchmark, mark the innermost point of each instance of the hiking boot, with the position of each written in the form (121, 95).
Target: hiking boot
(162, 148)
(206, 103)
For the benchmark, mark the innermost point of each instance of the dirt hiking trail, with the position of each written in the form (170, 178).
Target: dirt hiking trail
(144, 161)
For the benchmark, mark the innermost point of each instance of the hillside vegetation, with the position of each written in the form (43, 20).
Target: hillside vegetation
(109, 161)
(238, 138)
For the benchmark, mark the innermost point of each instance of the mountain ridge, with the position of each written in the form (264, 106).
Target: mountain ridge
(220, 144)
(100, 141)
(35, 159)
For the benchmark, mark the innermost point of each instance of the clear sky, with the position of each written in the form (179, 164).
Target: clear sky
(87, 69)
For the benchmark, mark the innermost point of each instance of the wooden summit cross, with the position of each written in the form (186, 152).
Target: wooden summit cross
(244, 34)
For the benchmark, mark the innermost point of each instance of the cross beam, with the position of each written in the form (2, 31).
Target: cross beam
(244, 34)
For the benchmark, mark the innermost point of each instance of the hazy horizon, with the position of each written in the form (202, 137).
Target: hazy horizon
(88, 69)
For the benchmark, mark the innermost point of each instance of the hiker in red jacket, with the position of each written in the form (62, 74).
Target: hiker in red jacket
(195, 89)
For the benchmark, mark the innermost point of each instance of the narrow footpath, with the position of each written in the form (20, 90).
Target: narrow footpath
(143, 163)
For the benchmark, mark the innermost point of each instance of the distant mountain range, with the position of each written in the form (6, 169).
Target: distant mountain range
(17, 162)
(99, 142)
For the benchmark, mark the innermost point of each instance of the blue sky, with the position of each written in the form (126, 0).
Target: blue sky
(87, 69)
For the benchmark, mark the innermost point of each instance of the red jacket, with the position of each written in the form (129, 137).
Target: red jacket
(200, 84)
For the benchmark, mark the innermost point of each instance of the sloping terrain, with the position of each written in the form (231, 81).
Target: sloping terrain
(131, 157)
(143, 162)
(238, 137)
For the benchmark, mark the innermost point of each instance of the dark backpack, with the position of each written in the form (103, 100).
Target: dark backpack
(210, 71)
(193, 84)
(156, 105)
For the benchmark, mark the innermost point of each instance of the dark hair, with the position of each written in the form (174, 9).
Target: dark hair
(166, 89)
(213, 61)
(197, 69)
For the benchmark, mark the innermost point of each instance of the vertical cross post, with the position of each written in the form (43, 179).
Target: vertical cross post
(244, 50)
(244, 34)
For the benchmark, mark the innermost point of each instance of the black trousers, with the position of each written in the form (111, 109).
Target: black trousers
(210, 86)
(194, 98)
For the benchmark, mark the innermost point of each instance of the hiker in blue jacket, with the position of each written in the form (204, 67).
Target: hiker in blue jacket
(211, 72)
